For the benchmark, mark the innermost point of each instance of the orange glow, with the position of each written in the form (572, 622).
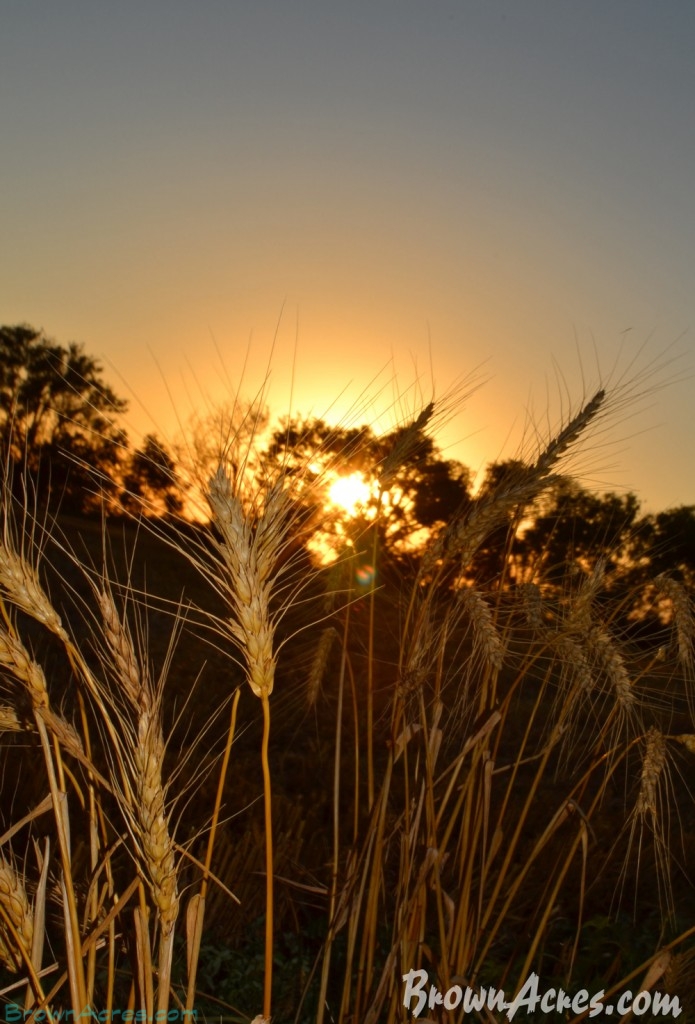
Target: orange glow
(350, 492)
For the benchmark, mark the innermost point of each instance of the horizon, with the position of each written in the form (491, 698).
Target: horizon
(405, 196)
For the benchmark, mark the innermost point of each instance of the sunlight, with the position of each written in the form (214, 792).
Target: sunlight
(350, 492)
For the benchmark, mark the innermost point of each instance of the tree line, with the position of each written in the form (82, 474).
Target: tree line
(61, 429)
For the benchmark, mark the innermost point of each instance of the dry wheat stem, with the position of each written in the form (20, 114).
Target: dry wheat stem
(250, 551)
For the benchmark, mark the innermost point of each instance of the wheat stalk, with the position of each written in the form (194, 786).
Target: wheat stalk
(143, 796)
(572, 654)
(569, 434)
(250, 552)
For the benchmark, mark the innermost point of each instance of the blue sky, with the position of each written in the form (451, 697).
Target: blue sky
(399, 185)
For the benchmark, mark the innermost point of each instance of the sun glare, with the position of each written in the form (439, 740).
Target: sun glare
(349, 492)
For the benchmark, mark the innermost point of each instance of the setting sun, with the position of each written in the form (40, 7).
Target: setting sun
(350, 492)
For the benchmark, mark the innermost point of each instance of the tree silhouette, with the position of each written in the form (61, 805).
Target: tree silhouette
(224, 433)
(412, 488)
(58, 418)
(672, 542)
(574, 527)
(150, 483)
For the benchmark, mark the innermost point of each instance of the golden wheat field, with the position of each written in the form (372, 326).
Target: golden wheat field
(242, 782)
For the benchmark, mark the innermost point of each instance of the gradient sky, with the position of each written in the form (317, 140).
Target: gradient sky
(397, 184)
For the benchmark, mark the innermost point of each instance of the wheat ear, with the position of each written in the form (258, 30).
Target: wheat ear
(15, 657)
(250, 557)
(16, 919)
(485, 636)
(250, 551)
(407, 441)
(466, 533)
(652, 768)
(682, 614)
(144, 749)
(603, 648)
(319, 662)
(20, 582)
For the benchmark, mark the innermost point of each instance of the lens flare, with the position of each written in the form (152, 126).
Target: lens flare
(365, 575)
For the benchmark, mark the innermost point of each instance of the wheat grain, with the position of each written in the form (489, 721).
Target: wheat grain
(319, 662)
(15, 905)
(518, 488)
(21, 584)
(466, 533)
(573, 655)
(580, 617)
(603, 648)
(15, 657)
(569, 434)
(157, 844)
(250, 557)
(652, 767)
(688, 741)
(486, 637)
(121, 648)
(144, 749)
(9, 720)
(408, 439)
(682, 615)
(532, 603)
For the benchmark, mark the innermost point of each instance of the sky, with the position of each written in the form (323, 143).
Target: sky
(365, 199)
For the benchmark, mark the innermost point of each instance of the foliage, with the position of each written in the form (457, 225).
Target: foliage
(150, 482)
(58, 417)
(574, 527)
(428, 491)
(672, 541)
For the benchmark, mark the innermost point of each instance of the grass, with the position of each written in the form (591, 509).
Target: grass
(225, 767)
